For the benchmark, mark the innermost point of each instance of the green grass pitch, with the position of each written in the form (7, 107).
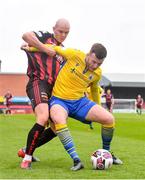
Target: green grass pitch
(128, 144)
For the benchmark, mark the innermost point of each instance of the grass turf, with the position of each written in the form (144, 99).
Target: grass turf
(128, 144)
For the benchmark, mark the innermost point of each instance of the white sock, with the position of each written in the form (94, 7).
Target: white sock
(27, 158)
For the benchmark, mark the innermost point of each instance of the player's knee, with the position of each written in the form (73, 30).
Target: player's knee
(110, 121)
(42, 118)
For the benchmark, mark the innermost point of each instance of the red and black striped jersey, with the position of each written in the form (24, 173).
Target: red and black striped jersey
(8, 97)
(108, 97)
(40, 65)
(139, 101)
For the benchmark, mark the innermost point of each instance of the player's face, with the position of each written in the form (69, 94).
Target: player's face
(93, 62)
(108, 91)
(61, 32)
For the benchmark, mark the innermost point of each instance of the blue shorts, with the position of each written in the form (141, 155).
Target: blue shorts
(77, 109)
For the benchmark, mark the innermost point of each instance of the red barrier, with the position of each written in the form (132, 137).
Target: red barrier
(18, 109)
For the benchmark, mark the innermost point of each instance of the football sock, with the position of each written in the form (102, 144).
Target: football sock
(27, 158)
(45, 137)
(91, 126)
(107, 135)
(65, 137)
(32, 138)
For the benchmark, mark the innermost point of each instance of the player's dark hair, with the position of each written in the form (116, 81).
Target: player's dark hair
(99, 50)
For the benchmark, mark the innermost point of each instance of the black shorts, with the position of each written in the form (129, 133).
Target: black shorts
(38, 92)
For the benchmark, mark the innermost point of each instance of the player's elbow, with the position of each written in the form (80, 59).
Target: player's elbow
(28, 36)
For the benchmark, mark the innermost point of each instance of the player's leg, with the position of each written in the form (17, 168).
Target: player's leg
(40, 105)
(6, 111)
(59, 114)
(102, 116)
(89, 111)
(45, 137)
(108, 106)
(41, 112)
(137, 110)
(140, 110)
(91, 125)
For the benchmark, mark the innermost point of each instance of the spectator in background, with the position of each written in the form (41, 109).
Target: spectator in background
(109, 100)
(8, 97)
(139, 104)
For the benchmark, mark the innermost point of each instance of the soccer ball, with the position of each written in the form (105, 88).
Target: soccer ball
(101, 159)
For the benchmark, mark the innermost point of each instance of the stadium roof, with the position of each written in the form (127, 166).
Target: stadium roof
(105, 82)
(126, 80)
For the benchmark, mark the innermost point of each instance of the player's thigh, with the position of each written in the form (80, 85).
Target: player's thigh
(42, 113)
(58, 114)
(99, 114)
(38, 92)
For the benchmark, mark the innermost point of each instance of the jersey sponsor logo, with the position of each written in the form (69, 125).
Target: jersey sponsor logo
(44, 96)
(60, 59)
(39, 33)
(45, 32)
(90, 77)
(72, 70)
(80, 75)
(77, 64)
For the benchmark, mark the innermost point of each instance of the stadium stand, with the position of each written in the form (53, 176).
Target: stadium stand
(16, 83)
(125, 88)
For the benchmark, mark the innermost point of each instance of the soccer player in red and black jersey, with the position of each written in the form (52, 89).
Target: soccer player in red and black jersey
(42, 72)
(139, 104)
(109, 100)
(8, 98)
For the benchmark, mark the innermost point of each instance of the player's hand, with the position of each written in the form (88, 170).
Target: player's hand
(25, 47)
(50, 51)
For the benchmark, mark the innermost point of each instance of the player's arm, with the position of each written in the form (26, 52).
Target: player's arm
(112, 100)
(112, 103)
(67, 53)
(142, 102)
(95, 91)
(136, 102)
(32, 40)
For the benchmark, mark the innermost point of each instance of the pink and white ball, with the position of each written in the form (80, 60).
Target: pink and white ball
(101, 159)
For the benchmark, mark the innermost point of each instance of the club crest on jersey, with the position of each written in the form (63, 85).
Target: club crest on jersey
(72, 70)
(77, 64)
(90, 76)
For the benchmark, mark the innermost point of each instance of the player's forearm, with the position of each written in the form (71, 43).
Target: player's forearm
(33, 41)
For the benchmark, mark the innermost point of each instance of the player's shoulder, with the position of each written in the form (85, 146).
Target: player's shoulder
(98, 71)
(79, 53)
(74, 52)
